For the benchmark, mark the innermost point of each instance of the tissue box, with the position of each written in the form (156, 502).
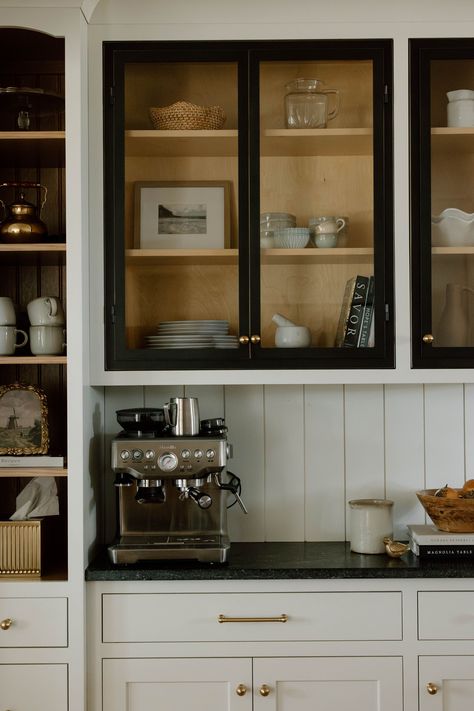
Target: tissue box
(22, 547)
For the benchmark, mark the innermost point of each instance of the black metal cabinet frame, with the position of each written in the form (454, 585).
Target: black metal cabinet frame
(247, 55)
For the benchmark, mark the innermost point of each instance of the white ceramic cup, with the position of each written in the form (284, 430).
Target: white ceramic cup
(328, 226)
(292, 337)
(371, 522)
(46, 311)
(7, 312)
(8, 339)
(325, 240)
(47, 340)
(461, 108)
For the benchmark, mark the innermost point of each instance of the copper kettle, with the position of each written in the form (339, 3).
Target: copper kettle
(21, 222)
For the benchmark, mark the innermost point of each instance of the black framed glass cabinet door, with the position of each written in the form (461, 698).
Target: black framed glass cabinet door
(321, 203)
(442, 188)
(196, 276)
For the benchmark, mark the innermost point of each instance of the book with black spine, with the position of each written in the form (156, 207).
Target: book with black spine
(345, 309)
(354, 321)
(367, 315)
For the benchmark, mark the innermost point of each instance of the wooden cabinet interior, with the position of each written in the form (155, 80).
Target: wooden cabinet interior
(27, 271)
(305, 172)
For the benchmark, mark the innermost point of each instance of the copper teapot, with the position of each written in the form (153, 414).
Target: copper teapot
(21, 222)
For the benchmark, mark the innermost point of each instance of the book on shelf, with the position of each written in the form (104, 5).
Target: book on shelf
(41, 460)
(344, 313)
(367, 316)
(427, 541)
(356, 312)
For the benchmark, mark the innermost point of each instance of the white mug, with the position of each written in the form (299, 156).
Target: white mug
(46, 311)
(7, 312)
(47, 340)
(8, 342)
(328, 226)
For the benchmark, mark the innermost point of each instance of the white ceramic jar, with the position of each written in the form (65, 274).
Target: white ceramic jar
(370, 522)
(460, 108)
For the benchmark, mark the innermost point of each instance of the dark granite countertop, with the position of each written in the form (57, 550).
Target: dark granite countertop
(284, 561)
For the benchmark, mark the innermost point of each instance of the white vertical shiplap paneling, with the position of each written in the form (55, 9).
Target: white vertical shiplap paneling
(324, 463)
(211, 399)
(404, 454)
(364, 442)
(444, 435)
(284, 463)
(303, 451)
(469, 430)
(244, 417)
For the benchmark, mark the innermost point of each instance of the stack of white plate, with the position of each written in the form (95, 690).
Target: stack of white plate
(192, 334)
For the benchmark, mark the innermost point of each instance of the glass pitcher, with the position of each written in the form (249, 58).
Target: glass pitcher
(306, 105)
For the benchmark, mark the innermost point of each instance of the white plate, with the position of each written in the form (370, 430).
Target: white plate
(188, 322)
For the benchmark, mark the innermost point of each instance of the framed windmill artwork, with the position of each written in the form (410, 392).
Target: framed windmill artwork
(23, 420)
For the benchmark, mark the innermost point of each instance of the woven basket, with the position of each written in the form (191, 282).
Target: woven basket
(185, 116)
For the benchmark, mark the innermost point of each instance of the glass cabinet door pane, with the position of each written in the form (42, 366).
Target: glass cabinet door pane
(180, 222)
(316, 200)
(452, 205)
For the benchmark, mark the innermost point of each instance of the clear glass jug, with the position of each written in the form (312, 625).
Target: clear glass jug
(306, 105)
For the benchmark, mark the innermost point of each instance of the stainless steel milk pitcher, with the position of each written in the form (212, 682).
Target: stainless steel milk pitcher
(182, 416)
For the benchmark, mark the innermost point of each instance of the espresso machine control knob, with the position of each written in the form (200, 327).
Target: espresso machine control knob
(186, 454)
(137, 455)
(198, 453)
(210, 454)
(149, 454)
(125, 455)
(168, 461)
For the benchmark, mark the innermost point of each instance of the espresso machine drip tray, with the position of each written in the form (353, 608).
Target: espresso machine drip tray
(202, 548)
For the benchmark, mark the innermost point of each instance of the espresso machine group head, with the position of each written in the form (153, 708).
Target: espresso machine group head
(172, 489)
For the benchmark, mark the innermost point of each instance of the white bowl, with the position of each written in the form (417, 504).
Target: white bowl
(292, 238)
(452, 228)
(292, 337)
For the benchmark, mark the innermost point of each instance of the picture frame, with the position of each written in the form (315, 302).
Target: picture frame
(182, 214)
(23, 420)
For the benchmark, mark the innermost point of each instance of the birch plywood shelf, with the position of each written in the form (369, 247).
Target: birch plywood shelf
(153, 257)
(6, 472)
(33, 360)
(47, 147)
(274, 142)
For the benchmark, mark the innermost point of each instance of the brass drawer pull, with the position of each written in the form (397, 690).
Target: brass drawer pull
(264, 690)
(6, 624)
(241, 690)
(431, 688)
(278, 618)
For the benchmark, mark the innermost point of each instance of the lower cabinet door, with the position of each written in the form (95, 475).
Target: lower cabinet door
(328, 684)
(182, 684)
(446, 683)
(33, 687)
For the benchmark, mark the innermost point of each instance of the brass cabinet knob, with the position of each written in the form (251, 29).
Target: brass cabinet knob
(431, 688)
(428, 338)
(264, 690)
(255, 339)
(6, 624)
(244, 339)
(241, 690)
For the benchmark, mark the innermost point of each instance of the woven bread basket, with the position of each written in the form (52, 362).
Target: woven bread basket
(185, 116)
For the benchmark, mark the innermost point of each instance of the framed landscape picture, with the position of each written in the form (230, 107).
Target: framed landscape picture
(23, 420)
(182, 215)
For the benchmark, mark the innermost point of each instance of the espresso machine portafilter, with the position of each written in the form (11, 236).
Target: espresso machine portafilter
(172, 488)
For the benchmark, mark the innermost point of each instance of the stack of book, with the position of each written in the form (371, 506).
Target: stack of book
(356, 323)
(427, 541)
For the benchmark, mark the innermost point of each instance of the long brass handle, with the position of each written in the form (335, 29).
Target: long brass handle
(431, 688)
(264, 690)
(278, 618)
(6, 623)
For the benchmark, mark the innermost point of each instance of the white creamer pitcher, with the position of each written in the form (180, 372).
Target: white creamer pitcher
(460, 108)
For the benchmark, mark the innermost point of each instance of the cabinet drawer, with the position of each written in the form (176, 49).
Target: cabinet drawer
(34, 687)
(33, 622)
(311, 616)
(446, 615)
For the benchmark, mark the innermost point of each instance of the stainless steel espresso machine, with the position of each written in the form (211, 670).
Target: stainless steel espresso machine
(173, 493)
